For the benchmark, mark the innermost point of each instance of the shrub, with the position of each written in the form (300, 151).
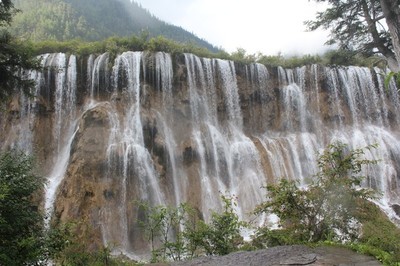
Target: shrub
(21, 221)
(222, 235)
(178, 233)
(327, 209)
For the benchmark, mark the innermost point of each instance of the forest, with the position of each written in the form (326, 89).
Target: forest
(92, 20)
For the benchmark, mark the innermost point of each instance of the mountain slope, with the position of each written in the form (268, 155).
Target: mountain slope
(92, 20)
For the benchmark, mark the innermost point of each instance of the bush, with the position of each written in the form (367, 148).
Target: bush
(65, 246)
(21, 221)
(162, 226)
(328, 209)
(334, 209)
(379, 236)
(222, 235)
(178, 233)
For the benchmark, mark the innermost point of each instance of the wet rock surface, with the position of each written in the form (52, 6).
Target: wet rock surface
(286, 255)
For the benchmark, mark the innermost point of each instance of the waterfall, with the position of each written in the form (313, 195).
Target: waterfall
(65, 79)
(21, 134)
(139, 179)
(180, 128)
(97, 73)
(164, 76)
(229, 162)
(230, 89)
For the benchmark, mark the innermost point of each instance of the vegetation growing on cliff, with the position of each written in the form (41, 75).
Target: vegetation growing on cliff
(143, 42)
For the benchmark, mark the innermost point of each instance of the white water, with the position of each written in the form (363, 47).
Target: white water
(55, 178)
(229, 161)
(210, 116)
(96, 70)
(127, 149)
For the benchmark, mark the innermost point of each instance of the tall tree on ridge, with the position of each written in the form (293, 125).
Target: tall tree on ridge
(360, 25)
(14, 56)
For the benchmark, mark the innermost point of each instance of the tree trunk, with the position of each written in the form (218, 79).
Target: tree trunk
(392, 63)
(391, 11)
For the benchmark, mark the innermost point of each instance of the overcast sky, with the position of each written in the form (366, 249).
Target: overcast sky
(266, 26)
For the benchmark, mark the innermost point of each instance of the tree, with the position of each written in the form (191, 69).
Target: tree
(359, 25)
(7, 10)
(177, 232)
(14, 57)
(221, 235)
(391, 11)
(328, 209)
(163, 226)
(21, 221)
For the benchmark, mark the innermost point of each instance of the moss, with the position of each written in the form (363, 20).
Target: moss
(379, 237)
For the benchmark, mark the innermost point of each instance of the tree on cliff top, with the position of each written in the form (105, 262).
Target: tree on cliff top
(366, 26)
(14, 56)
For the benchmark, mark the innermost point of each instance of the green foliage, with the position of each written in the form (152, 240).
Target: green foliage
(67, 247)
(21, 221)
(334, 209)
(379, 236)
(341, 57)
(241, 56)
(395, 76)
(14, 57)
(289, 62)
(379, 254)
(344, 57)
(222, 235)
(161, 43)
(328, 208)
(92, 20)
(7, 11)
(49, 19)
(162, 226)
(354, 26)
(115, 45)
(178, 233)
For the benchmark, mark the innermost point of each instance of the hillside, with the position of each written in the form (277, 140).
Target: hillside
(92, 20)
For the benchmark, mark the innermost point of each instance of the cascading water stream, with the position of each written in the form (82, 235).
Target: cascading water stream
(164, 77)
(22, 136)
(60, 65)
(234, 165)
(231, 95)
(55, 178)
(97, 72)
(127, 147)
(65, 124)
(201, 120)
(336, 102)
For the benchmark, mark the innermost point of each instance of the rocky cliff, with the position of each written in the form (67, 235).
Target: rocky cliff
(110, 131)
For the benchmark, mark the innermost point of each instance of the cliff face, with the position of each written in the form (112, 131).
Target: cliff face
(149, 127)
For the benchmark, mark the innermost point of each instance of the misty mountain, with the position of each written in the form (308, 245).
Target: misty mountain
(93, 20)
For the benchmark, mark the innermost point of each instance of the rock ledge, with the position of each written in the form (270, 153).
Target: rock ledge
(286, 255)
